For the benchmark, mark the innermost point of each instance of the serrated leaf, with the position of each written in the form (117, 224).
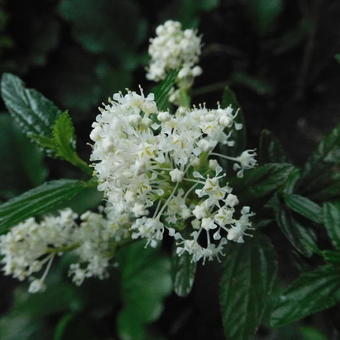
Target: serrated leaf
(41, 199)
(292, 179)
(145, 282)
(310, 293)
(183, 274)
(270, 149)
(34, 113)
(331, 220)
(323, 160)
(301, 237)
(63, 136)
(162, 90)
(304, 206)
(249, 272)
(262, 181)
(22, 163)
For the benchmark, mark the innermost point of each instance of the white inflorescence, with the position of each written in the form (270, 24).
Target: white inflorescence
(174, 49)
(30, 247)
(158, 169)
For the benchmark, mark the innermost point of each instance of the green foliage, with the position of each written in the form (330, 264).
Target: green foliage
(270, 149)
(321, 163)
(304, 207)
(162, 90)
(22, 163)
(39, 200)
(97, 25)
(249, 273)
(145, 282)
(331, 219)
(301, 237)
(262, 181)
(34, 113)
(310, 293)
(183, 274)
(264, 13)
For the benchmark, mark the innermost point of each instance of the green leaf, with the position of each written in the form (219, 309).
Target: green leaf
(145, 282)
(324, 159)
(331, 220)
(310, 293)
(183, 274)
(337, 57)
(264, 13)
(271, 150)
(62, 324)
(34, 113)
(293, 178)
(304, 207)
(262, 181)
(22, 163)
(162, 90)
(331, 256)
(39, 200)
(97, 25)
(302, 238)
(249, 272)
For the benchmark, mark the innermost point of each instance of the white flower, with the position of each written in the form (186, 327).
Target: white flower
(159, 174)
(245, 161)
(174, 49)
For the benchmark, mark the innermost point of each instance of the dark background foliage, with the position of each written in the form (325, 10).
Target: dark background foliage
(279, 58)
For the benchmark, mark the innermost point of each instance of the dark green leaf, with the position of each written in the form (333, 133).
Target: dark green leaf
(249, 272)
(337, 57)
(301, 237)
(331, 220)
(264, 13)
(34, 113)
(324, 159)
(183, 274)
(293, 178)
(62, 324)
(162, 90)
(145, 282)
(331, 256)
(304, 207)
(271, 150)
(262, 181)
(21, 162)
(39, 200)
(310, 293)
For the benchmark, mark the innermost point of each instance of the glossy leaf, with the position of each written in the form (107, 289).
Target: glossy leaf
(34, 113)
(301, 237)
(249, 272)
(304, 206)
(262, 181)
(331, 219)
(162, 91)
(310, 293)
(145, 282)
(271, 150)
(183, 274)
(41, 199)
(324, 159)
(22, 164)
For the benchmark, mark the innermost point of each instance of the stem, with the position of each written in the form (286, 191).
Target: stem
(81, 164)
(63, 249)
(184, 98)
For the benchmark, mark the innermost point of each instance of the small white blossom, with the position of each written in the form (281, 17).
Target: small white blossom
(158, 173)
(174, 49)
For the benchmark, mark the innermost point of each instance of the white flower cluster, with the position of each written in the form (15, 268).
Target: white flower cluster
(174, 49)
(31, 246)
(158, 169)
